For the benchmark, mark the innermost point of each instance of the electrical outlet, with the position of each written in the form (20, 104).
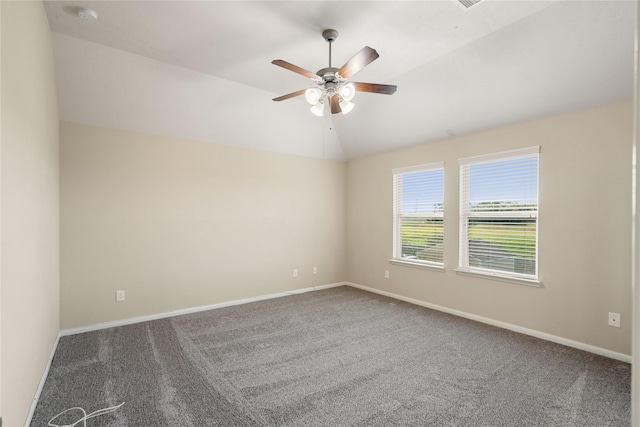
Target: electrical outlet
(119, 296)
(614, 320)
(315, 270)
(386, 274)
(295, 272)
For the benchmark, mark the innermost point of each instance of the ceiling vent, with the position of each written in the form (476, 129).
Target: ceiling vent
(468, 3)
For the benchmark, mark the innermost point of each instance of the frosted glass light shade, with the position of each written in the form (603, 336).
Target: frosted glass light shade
(346, 106)
(317, 109)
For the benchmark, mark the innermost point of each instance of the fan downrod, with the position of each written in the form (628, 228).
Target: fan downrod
(330, 35)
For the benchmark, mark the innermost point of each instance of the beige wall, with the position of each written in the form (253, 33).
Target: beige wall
(584, 234)
(180, 224)
(30, 206)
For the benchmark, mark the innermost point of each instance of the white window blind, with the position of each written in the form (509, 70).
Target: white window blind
(418, 220)
(499, 214)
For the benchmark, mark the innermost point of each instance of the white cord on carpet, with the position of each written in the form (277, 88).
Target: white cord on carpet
(84, 419)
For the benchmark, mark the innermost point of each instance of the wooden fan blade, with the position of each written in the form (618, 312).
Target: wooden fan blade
(360, 60)
(290, 95)
(335, 104)
(294, 68)
(375, 88)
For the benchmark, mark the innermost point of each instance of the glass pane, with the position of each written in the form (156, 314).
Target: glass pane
(422, 238)
(422, 192)
(506, 185)
(505, 244)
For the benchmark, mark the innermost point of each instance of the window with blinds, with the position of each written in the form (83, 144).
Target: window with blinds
(499, 214)
(418, 219)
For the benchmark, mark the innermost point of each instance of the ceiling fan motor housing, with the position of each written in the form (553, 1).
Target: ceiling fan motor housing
(328, 74)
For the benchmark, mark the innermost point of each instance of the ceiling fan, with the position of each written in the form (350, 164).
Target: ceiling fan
(331, 85)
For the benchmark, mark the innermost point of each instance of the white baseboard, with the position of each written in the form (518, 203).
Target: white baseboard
(140, 319)
(34, 402)
(542, 335)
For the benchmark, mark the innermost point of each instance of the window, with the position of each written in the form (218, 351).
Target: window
(499, 214)
(418, 210)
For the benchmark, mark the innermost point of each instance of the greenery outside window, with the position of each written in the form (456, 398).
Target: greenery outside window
(499, 214)
(418, 219)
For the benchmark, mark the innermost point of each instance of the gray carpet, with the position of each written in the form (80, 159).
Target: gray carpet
(335, 357)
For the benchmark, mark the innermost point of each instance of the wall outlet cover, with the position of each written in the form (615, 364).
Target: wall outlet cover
(614, 320)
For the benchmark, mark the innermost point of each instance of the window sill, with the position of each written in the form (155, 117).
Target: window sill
(416, 264)
(499, 277)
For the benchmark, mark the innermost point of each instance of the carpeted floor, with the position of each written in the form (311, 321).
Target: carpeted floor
(337, 357)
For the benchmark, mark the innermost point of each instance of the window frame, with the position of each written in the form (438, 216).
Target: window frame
(466, 214)
(397, 174)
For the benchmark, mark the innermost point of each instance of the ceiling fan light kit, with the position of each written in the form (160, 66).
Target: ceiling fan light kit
(331, 85)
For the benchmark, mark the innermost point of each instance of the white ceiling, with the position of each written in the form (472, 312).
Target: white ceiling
(201, 70)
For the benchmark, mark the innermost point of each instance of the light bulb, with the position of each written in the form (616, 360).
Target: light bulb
(347, 91)
(312, 95)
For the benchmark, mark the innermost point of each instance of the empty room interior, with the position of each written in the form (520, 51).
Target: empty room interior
(318, 213)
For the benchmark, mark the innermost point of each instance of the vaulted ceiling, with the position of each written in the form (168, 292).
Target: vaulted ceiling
(201, 70)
